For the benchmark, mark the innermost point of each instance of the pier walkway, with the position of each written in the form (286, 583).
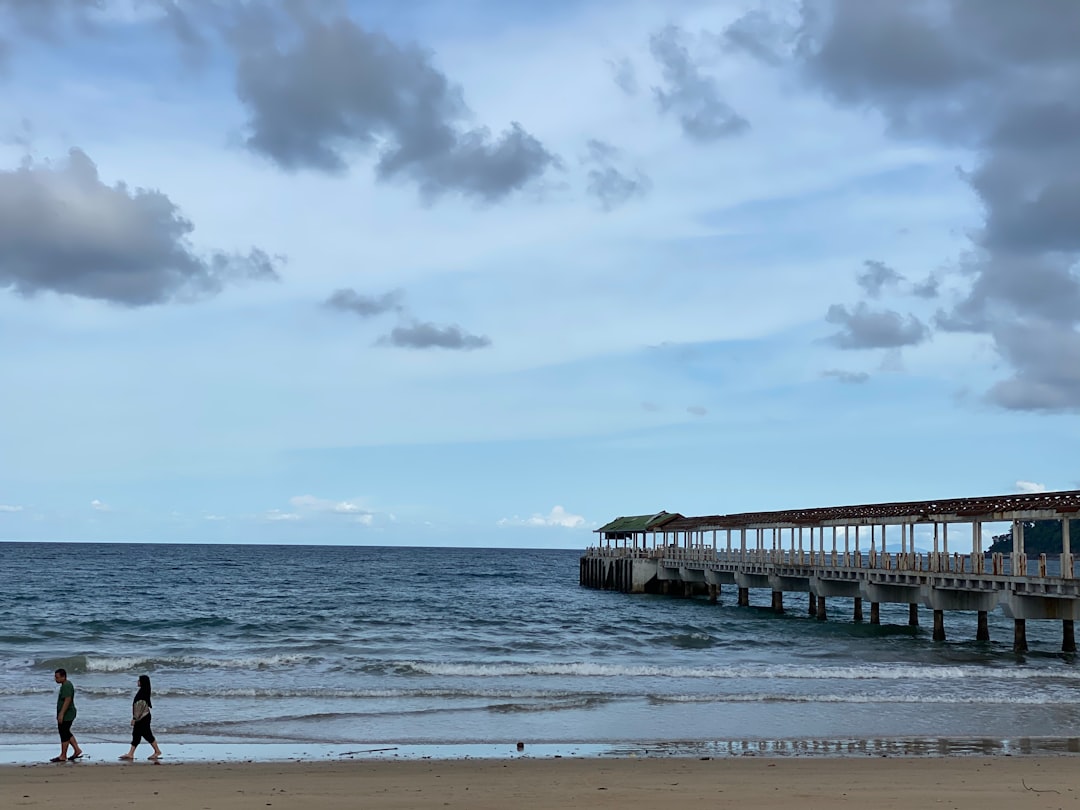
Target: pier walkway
(841, 552)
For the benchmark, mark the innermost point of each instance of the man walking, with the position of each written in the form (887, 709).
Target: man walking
(65, 716)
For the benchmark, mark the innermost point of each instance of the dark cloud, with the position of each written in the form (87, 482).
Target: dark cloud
(849, 377)
(688, 93)
(652, 407)
(608, 182)
(863, 328)
(1045, 380)
(697, 410)
(62, 230)
(336, 89)
(1002, 79)
(419, 335)
(366, 306)
(759, 35)
(927, 288)
(875, 276)
(625, 75)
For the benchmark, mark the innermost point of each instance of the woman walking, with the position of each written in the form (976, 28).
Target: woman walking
(140, 720)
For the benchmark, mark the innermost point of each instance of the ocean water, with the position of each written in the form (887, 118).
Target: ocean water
(379, 647)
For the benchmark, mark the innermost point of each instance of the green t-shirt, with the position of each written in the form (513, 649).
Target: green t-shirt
(67, 690)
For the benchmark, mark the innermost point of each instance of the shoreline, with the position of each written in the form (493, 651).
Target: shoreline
(889, 783)
(28, 753)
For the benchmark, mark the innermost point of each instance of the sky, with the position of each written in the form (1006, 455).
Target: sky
(492, 273)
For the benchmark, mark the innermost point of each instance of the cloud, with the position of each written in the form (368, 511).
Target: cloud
(759, 35)
(625, 76)
(310, 503)
(100, 506)
(697, 410)
(652, 407)
(277, 516)
(849, 377)
(694, 97)
(875, 276)
(418, 335)
(337, 89)
(1003, 81)
(863, 328)
(366, 306)
(608, 183)
(927, 288)
(9, 508)
(64, 231)
(556, 517)
(1046, 357)
(1030, 487)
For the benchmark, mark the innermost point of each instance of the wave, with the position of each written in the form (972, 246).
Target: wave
(131, 663)
(878, 672)
(891, 699)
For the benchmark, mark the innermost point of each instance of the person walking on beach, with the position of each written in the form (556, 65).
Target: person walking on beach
(65, 716)
(140, 720)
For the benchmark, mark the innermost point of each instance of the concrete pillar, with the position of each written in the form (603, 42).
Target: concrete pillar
(1066, 549)
(811, 610)
(744, 597)
(875, 613)
(1019, 635)
(778, 601)
(913, 615)
(939, 625)
(822, 613)
(713, 589)
(982, 632)
(858, 609)
(1068, 636)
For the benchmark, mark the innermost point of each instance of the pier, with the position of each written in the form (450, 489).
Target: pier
(841, 553)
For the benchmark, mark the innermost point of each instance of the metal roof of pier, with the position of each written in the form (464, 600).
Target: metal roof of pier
(1034, 506)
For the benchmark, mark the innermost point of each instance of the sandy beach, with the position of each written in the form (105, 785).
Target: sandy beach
(950, 782)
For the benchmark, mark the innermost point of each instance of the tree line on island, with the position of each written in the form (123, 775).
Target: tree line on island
(1040, 537)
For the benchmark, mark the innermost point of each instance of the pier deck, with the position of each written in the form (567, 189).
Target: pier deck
(841, 552)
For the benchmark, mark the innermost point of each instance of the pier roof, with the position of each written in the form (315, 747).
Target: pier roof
(639, 523)
(1035, 506)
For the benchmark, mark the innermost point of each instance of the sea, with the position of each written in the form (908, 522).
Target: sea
(290, 651)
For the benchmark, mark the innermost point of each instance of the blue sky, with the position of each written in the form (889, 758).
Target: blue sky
(491, 274)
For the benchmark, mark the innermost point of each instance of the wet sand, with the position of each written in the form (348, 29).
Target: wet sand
(884, 783)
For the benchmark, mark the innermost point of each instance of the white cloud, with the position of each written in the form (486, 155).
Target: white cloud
(557, 517)
(1030, 487)
(277, 515)
(7, 508)
(310, 503)
(100, 506)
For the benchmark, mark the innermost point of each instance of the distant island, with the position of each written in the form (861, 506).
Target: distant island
(1040, 537)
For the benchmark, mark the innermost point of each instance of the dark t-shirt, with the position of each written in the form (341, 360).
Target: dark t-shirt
(67, 690)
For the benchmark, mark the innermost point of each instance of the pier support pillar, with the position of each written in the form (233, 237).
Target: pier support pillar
(857, 612)
(939, 625)
(1020, 635)
(778, 601)
(714, 592)
(822, 613)
(913, 615)
(811, 610)
(744, 597)
(875, 613)
(1068, 636)
(982, 632)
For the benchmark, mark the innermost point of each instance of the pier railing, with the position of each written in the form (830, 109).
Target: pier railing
(997, 564)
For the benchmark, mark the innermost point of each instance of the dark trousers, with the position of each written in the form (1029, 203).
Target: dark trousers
(141, 731)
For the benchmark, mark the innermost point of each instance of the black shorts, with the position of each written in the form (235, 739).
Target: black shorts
(65, 730)
(141, 731)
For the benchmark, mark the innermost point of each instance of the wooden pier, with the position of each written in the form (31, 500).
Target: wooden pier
(841, 552)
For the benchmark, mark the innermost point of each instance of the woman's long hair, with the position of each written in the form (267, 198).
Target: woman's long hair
(144, 690)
